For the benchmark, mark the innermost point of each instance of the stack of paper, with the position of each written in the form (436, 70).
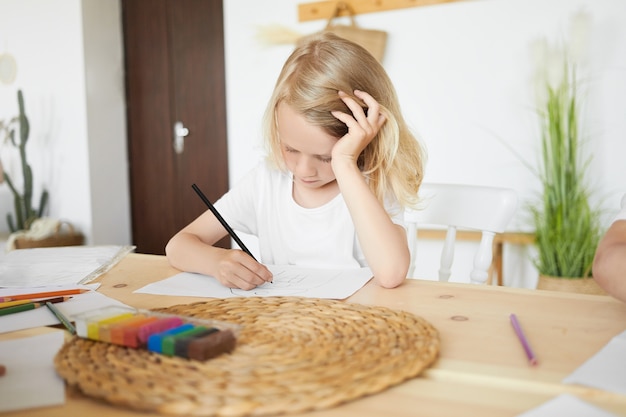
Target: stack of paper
(606, 369)
(288, 280)
(59, 265)
(30, 379)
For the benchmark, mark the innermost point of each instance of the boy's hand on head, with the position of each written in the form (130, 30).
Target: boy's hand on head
(237, 269)
(362, 127)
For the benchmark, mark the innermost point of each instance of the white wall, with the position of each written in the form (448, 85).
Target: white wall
(463, 72)
(69, 58)
(50, 72)
(106, 112)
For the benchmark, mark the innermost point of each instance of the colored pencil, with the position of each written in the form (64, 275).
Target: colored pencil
(30, 306)
(62, 318)
(15, 303)
(42, 294)
(532, 359)
(20, 302)
(219, 217)
(20, 308)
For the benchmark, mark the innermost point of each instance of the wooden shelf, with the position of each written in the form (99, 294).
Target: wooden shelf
(325, 9)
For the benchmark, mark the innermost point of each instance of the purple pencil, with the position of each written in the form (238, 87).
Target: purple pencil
(532, 359)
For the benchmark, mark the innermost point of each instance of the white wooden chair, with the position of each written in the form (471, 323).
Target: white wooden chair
(460, 206)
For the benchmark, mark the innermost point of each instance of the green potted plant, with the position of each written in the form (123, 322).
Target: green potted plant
(567, 225)
(29, 228)
(24, 211)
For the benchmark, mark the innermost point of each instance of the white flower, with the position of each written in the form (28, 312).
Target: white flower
(538, 57)
(579, 31)
(555, 66)
(554, 63)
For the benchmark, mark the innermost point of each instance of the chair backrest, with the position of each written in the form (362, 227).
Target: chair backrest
(460, 206)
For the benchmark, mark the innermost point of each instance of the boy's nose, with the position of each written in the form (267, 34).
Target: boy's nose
(306, 167)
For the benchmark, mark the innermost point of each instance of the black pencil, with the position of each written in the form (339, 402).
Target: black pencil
(219, 217)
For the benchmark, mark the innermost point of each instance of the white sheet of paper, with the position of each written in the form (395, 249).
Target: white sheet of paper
(606, 369)
(288, 281)
(566, 405)
(44, 317)
(58, 265)
(30, 379)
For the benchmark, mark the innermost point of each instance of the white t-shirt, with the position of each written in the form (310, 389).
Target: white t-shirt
(261, 204)
(621, 215)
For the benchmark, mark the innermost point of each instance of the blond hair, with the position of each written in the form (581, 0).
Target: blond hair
(319, 67)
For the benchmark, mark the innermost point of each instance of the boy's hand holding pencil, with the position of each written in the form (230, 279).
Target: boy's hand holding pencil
(236, 270)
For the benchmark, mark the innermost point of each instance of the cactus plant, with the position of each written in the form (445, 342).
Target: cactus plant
(24, 211)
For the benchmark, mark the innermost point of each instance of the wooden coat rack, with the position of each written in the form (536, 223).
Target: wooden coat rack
(325, 9)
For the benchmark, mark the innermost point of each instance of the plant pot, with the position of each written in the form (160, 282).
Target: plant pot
(576, 285)
(59, 238)
(52, 241)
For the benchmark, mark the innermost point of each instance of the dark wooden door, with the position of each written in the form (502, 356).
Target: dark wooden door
(174, 58)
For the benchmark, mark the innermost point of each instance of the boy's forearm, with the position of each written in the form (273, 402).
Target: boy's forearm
(188, 253)
(383, 243)
(609, 267)
(610, 271)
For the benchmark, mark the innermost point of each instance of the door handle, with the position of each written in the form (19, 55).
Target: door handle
(180, 132)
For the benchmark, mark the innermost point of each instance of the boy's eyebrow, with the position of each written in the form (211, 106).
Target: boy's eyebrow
(315, 155)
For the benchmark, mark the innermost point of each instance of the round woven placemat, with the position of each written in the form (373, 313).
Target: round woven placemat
(293, 354)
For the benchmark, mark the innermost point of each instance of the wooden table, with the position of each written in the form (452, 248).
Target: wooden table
(482, 369)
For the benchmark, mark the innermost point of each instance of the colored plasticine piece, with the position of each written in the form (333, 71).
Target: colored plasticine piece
(125, 333)
(158, 326)
(169, 342)
(181, 345)
(93, 329)
(155, 341)
(213, 345)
